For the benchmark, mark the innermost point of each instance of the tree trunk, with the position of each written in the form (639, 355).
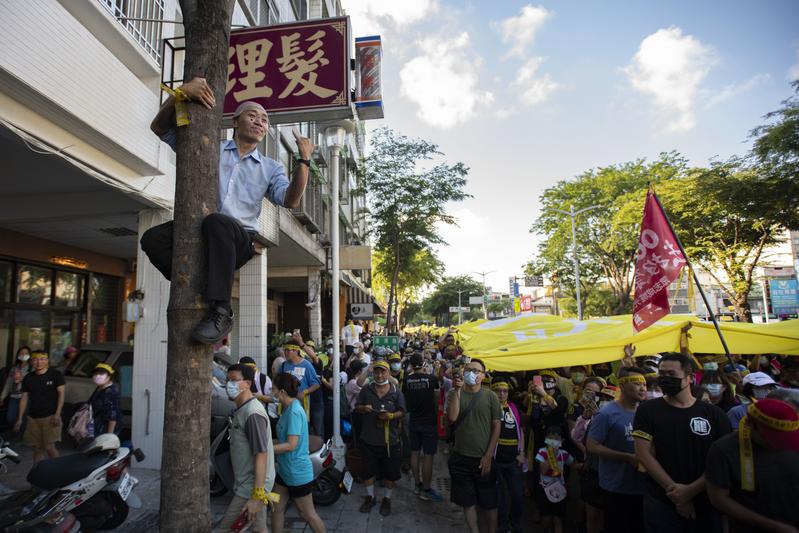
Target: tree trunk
(185, 499)
(392, 295)
(742, 309)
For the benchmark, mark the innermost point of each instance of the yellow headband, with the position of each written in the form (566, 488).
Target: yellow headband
(291, 347)
(500, 385)
(650, 375)
(550, 373)
(770, 421)
(37, 355)
(252, 365)
(103, 366)
(632, 378)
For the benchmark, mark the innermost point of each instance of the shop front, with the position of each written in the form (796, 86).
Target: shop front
(50, 307)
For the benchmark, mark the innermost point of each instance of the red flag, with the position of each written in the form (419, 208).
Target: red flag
(658, 261)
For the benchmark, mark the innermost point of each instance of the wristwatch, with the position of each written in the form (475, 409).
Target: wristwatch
(306, 162)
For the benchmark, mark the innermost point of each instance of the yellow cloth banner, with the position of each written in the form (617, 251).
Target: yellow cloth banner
(534, 341)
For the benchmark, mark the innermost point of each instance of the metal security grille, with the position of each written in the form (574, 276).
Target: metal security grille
(145, 32)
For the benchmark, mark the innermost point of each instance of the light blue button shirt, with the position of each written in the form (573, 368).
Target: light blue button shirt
(244, 182)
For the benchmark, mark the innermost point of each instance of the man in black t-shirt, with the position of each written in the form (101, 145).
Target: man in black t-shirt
(672, 437)
(43, 396)
(766, 500)
(419, 389)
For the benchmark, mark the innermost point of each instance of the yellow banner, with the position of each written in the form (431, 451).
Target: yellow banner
(534, 341)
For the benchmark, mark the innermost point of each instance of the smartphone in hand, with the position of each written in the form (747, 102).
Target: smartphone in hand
(538, 382)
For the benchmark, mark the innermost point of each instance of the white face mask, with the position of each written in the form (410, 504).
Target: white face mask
(232, 389)
(652, 394)
(553, 443)
(381, 383)
(24, 357)
(759, 394)
(396, 366)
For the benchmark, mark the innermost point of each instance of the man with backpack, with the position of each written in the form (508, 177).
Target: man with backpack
(261, 385)
(475, 414)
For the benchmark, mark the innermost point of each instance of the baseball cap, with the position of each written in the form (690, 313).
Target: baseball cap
(777, 422)
(395, 357)
(381, 364)
(758, 379)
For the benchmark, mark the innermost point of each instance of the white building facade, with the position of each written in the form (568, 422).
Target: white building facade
(83, 177)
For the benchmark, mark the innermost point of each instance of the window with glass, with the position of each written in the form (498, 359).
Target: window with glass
(45, 307)
(34, 285)
(68, 289)
(6, 269)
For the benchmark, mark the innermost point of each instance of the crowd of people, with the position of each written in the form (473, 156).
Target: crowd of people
(33, 397)
(663, 443)
(654, 443)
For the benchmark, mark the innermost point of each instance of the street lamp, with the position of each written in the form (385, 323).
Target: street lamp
(485, 297)
(334, 138)
(572, 214)
(460, 309)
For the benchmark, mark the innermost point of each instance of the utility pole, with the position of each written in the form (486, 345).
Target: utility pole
(485, 296)
(335, 137)
(460, 309)
(185, 504)
(572, 214)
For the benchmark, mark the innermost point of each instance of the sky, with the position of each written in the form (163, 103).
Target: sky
(529, 94)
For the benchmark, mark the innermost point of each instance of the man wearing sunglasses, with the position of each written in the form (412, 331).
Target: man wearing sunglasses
(475, 414)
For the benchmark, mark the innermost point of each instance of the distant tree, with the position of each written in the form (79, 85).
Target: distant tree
(420, 269)
(606, 236)
(776, 143)
(407, 195)
(726, 215)
(445, 295)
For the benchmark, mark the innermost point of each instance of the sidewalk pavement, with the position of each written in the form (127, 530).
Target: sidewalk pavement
(409, 514)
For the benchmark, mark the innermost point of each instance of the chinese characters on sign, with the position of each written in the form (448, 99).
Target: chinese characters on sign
(658, 262)
(297, 67)
(784, 296)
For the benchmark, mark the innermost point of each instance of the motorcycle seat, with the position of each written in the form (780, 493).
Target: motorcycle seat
(314, 443)
(59, 472)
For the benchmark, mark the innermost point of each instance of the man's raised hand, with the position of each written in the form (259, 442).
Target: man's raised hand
(304, 145)
(199, 91)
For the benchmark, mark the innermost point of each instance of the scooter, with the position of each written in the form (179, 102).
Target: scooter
(7, 453)
(93, 486)
(328, 483)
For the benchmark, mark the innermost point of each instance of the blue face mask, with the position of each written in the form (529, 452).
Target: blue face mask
(232, 389)
(714, 389)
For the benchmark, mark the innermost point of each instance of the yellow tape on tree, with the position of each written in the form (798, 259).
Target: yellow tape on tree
(181, 113)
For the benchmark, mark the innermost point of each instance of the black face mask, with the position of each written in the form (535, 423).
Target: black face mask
(670, 385)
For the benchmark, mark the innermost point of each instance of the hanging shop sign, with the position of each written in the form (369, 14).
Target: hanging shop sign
(298, 71)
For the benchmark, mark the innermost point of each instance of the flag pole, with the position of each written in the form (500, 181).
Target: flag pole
(696, 278)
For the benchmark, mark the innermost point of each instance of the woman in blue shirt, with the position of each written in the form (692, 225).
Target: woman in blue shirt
(294, 470)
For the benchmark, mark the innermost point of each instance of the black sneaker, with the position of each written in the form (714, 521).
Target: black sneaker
(385, 507)
(368, 503)
(214, 327)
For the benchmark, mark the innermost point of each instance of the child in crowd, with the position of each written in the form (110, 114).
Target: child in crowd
(552, 460)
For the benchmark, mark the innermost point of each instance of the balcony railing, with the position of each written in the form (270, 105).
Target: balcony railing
(139, 18)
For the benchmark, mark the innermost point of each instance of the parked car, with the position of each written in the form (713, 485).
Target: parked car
(79, 384)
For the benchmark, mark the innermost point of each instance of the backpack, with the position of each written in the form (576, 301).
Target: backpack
(81, 425)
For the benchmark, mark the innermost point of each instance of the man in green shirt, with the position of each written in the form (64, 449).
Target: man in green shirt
(475, 415)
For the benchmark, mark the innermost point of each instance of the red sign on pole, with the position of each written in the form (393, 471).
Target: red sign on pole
(292, 70)
(526, 303)
(659, 261)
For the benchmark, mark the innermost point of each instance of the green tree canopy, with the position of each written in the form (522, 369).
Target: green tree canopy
(419, 269)
(445, 296)
(407, 195)
(606, 236)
